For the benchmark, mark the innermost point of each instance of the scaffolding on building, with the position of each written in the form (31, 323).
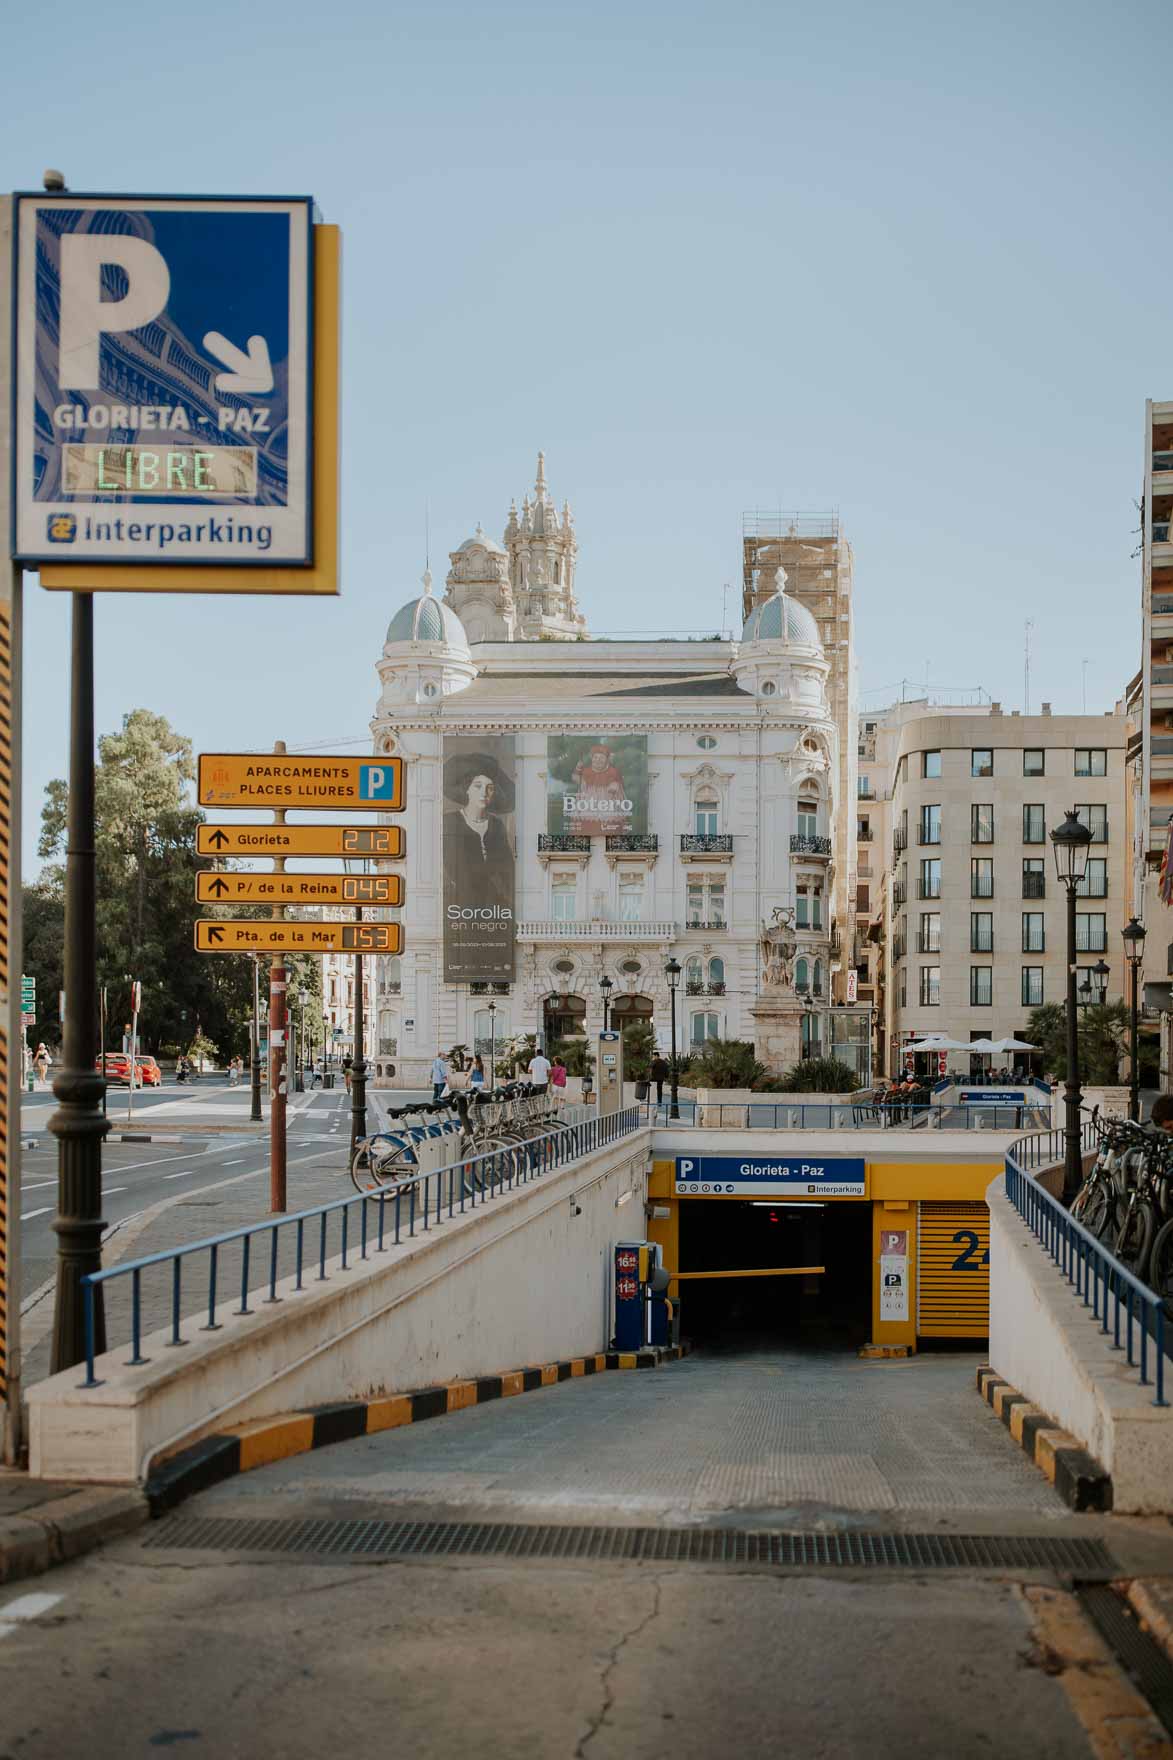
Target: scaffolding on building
(807, 545)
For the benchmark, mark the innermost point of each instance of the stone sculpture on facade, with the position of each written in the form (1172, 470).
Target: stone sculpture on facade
(779, 947)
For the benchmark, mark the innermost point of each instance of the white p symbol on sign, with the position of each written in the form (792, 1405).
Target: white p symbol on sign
(86, 316)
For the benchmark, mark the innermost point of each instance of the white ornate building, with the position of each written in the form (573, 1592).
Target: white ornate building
(645, 799)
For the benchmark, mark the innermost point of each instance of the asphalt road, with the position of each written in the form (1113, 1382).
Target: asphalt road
(202, 1148)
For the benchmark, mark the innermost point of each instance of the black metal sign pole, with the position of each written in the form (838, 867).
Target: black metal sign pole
(358, 1067)
(79, 1123)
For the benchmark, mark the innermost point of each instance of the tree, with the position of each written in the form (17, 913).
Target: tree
(1103, 1035)
(639, 1047)
(819, 1075)
(146, 868)
(726, 1063)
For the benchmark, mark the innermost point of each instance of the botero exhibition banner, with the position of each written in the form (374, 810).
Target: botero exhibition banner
(597, 786)
(479, 857)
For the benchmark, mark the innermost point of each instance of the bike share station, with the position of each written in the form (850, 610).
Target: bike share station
(783, 1237)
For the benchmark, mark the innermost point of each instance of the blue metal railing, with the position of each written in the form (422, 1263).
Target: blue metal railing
(384, 1219)
(863, 1115)
(1096, 1275)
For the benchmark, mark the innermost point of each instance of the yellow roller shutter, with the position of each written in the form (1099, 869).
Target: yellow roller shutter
(953, 1281)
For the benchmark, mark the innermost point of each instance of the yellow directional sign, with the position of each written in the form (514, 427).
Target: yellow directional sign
(300, 889)
(271, 780)
(301, 840)
(247, 937)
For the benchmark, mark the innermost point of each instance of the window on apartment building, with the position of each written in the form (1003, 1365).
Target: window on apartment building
(705, 815)
(863, 787)
(863, 903)
(808, 818)
(717, 975)
(981, 762)
(1032, 986)
(1096, 820)
(802, 974)
(704, 1026)
(631, 897)
(981, 822)
(981, 931)
(1034, 761)
(808, 904)
(1090, 761)
(563, 892)
(863, 830)
(930, 824)
(981, 986)
(1095, 879)
(693, 975)
(392, 983)
(904, 986)
(1091, 932)
(928, 936)
(930, 986)
(1034, 877)
(929, 884)
(930, 765)
(817, 978)
(706, 902)
(1034, 823)
(981, 877)
(1034, 933)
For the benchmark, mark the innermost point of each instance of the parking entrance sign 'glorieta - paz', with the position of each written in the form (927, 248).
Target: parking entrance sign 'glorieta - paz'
(163, 380)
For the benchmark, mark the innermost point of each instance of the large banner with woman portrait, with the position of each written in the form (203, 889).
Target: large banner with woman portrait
(479, 857)
(596, 786)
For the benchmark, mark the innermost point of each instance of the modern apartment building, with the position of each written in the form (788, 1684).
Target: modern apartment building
(974, 919)
(1150, 709)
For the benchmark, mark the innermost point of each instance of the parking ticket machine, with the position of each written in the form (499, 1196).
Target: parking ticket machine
(609, 1071)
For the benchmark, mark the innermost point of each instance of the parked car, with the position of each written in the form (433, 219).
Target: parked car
(152, 1075)
(117, 1069)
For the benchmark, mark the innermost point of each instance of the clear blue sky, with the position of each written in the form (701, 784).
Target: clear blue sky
(911, 262)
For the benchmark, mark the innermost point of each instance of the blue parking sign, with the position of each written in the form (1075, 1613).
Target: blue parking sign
(163, 380)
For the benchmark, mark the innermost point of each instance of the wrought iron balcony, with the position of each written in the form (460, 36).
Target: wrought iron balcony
(561, 843)
(928, 943)
(480, 987)
(899, 841)
(693, 988)
(899, 893)
(715, 844)
(809, 846)
(1034, 886)
(633, 843)
(706, 923)
(928, 888)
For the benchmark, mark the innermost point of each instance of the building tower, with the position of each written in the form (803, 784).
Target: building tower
(819, 567)
(542, 551)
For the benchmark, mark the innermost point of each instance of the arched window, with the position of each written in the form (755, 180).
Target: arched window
(388, 1033)
(801, 975)
(393, 976)
(693, 975)
(705, 809)
(818, 983)
(717, 976)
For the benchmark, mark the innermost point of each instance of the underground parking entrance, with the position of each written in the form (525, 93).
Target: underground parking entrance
(755, 1273)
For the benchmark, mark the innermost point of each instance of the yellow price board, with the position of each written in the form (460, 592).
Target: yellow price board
(248, 937)
(387, 841)
(288, 780)
(283, 889)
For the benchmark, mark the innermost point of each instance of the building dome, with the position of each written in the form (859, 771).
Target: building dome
(480, 541)
(782, 619)
(428, 619)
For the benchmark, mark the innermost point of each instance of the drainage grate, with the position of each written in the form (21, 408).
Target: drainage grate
(1143, 1658)
(856, 1550)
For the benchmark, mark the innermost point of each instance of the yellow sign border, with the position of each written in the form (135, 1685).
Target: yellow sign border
(205, 894)
(205, 847)
(291, 803)
(321, 579)
(271, 936)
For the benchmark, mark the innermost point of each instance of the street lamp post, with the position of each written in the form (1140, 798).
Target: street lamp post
(606, 986)
(492, 1041)
(1070, 843)
(672, 972)
(1134, 934)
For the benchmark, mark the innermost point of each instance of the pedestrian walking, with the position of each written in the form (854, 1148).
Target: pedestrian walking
(539, 1069)
(439, 1075)
(558, 1081)
(42, 1061)
(347, 1067)
(659, 1073)
(477, 1075)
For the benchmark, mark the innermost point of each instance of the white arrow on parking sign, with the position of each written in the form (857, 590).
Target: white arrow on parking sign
(250, 374)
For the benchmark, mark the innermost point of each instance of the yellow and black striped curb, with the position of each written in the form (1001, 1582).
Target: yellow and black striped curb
(1079, 1479)
(258, 1444)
